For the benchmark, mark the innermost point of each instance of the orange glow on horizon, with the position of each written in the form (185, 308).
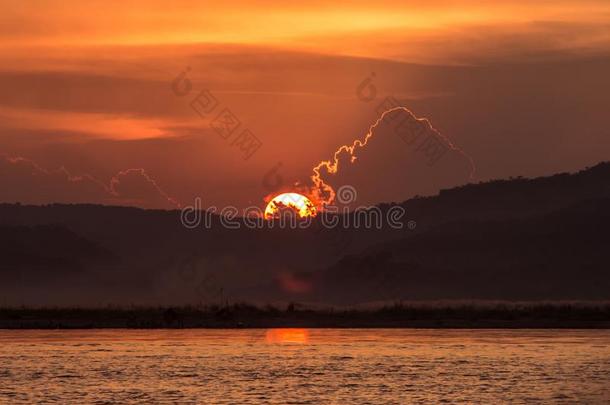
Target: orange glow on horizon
(300, 336)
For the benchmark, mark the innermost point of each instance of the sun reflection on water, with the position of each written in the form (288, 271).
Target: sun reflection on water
(287, 336)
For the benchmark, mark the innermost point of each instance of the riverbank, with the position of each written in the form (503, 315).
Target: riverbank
(249, 316)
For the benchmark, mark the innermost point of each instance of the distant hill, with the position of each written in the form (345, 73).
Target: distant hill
(46, 251)
(557, 256)
(516, 239)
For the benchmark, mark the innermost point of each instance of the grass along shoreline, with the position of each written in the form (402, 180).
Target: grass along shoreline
(242, 315)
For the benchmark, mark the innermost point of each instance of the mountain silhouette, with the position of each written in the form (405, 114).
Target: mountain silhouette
(514, 239)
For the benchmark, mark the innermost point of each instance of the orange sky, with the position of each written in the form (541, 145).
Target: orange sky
(87, 87)
(317, 26)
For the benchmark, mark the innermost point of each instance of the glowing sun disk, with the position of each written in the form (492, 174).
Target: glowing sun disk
(298, 202)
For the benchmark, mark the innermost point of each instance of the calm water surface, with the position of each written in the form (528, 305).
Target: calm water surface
(305, 366)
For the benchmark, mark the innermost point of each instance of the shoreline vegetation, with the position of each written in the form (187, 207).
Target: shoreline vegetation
(240, 315)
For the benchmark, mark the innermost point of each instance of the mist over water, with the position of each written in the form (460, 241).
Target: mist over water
(305, 366)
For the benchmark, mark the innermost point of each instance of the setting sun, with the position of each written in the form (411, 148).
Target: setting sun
(297, 202)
